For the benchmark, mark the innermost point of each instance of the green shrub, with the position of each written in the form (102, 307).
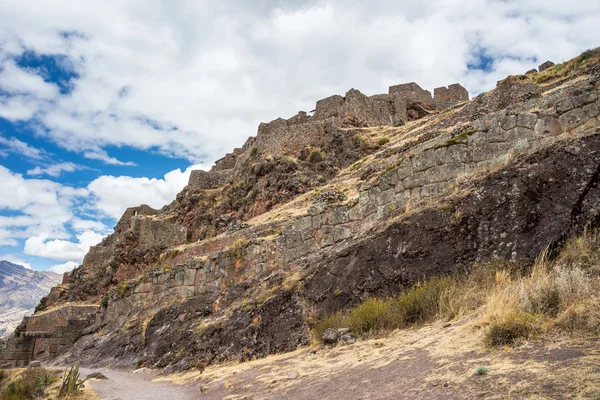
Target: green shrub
(510, 328)
(316, 156)
(71, 384)
(139, 363)
(29, 385)
(122, 288)
(253, 152)
(424, 302)
(383, 141)
(104, 302)
(481, 370)
(357, 139)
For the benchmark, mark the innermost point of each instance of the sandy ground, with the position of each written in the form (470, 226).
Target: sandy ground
(437, 361)
(127, 385)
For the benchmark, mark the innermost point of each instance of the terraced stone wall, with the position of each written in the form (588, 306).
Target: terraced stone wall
(424, 171)
(44, 336)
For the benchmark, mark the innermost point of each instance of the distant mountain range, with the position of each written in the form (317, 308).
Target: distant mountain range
(20, 291)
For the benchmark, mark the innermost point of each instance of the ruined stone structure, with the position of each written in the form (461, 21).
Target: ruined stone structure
(427, 170)
(209, 179)
(412, 93)
(44, 336)
(354, 109)
(545, 66)
(446, 97)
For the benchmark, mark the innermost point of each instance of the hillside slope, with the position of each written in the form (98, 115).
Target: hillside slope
(366, 198)
(20, 292)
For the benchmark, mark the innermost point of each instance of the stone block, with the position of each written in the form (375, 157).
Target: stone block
(302, 223)
(482, 152)
(433, 175)
(355, 213)
(547, 126)
(190, 277)
(415, 180)
(585, 98)
(369, 209)
(342, 232)
(317, 221)
(308, 233)
(404, 169)
(383, 185)
(509, 122)
(179, 278)
(526, 120)
(432, 189)
(293, 239)
(572, 119)
(316, 209)
(374, 192)
(391, 177)
(591, 110)
(564, 105)
(423, 161)
(385, 197)
(337, 216)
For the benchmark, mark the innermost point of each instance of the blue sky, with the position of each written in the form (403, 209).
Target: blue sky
(98, 116)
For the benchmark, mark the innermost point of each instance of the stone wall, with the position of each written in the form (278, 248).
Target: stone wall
(157, 233)
(44, 336)
(425, 170)
(446, 97)
(213, 179)
(197, 276)
(412, 93)
(355, 108)
(125, 221)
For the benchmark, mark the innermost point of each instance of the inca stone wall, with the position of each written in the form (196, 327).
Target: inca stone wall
(424, 171)
(293, 134)
(445, 97)
(201, 179)
(412, 93)
(44, 336)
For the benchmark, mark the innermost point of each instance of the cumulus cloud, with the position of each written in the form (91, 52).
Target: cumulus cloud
(194, 81)
(54, 170)
(62, 268)
(111, 195)
(16, 146)
(62, 222)
(34, 207)
(62, 250)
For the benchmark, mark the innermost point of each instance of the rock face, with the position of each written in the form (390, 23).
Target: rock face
(318, 212)
(545, 66)
(20, 291)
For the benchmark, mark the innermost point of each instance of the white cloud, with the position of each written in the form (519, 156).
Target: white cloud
(113, 194)
(54, 170)
(62, 268)
(62, 250)
(33, 207)
(14, 145)
(194, 81)
(103, 156)
(48, 215)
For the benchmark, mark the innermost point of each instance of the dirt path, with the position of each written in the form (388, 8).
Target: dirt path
(433, 362)
(126, 385)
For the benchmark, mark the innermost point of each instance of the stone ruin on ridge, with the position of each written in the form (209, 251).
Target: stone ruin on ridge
(402, 103)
